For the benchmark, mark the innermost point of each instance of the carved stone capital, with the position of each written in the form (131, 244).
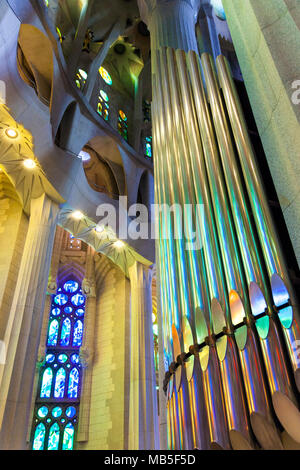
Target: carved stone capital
(146, 7)
(86, 357)
(51, 287)
(88, 288)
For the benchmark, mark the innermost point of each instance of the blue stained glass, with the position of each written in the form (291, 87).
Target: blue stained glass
(77, 300)
(60, 380)
(50, 358)
(71, 286)
(56, 311)
(68, 437)
(39, 437)
(68, 310)
(61, 299)
(73, 384)
(43, 411)
(53, 333)
(46, 383)
(57, 412)
(75, 359)
(62, 358)
(65, 332)
(79, 312)
(53, 441)
(77, 336)
(71, 411)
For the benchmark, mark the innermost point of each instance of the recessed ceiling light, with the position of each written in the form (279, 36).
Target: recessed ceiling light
(99, 228)
(29, 163)
(85, 156)
(77, 215)
(11, 133)
(119, 244)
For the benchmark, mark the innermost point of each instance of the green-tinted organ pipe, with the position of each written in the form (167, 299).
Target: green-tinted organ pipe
(236, 285)
(277, 374)
(281, 287)
(227, 353)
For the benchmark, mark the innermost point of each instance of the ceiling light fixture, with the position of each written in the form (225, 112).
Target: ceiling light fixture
(119, 244)
(77, 215)
(11, 133)
(99, 228)
(29, 163)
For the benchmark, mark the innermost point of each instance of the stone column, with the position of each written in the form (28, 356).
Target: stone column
(79, 36)
(87, 348)
(143, 415)
(212, 42)
(51, 289)
(22, 336)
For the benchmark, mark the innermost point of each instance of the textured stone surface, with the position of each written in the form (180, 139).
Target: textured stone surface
(266, 36)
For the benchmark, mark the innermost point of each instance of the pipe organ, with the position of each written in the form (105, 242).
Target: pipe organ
(230, 316)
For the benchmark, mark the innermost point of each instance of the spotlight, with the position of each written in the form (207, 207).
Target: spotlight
(77, 215)
(29, 163)
(119, 244)
(11, 133)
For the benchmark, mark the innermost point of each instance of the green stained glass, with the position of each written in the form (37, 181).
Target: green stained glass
(53, 441)
(104, 96)
(68, 438)
(46, 383)
(105, 75)
(39, 437)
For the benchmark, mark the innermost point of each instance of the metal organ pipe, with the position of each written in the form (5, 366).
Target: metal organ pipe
(256, 394)
(259, 294)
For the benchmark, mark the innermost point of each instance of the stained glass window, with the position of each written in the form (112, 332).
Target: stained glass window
(65, 332)
(73, 383)
(103, 105)
(57, 403)
(105, 75)
(47, 383)
(53, 441)
(81, 78)
(123, 125)
(148, 146)
(68, 437)
(39, 437)
(60, 380)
